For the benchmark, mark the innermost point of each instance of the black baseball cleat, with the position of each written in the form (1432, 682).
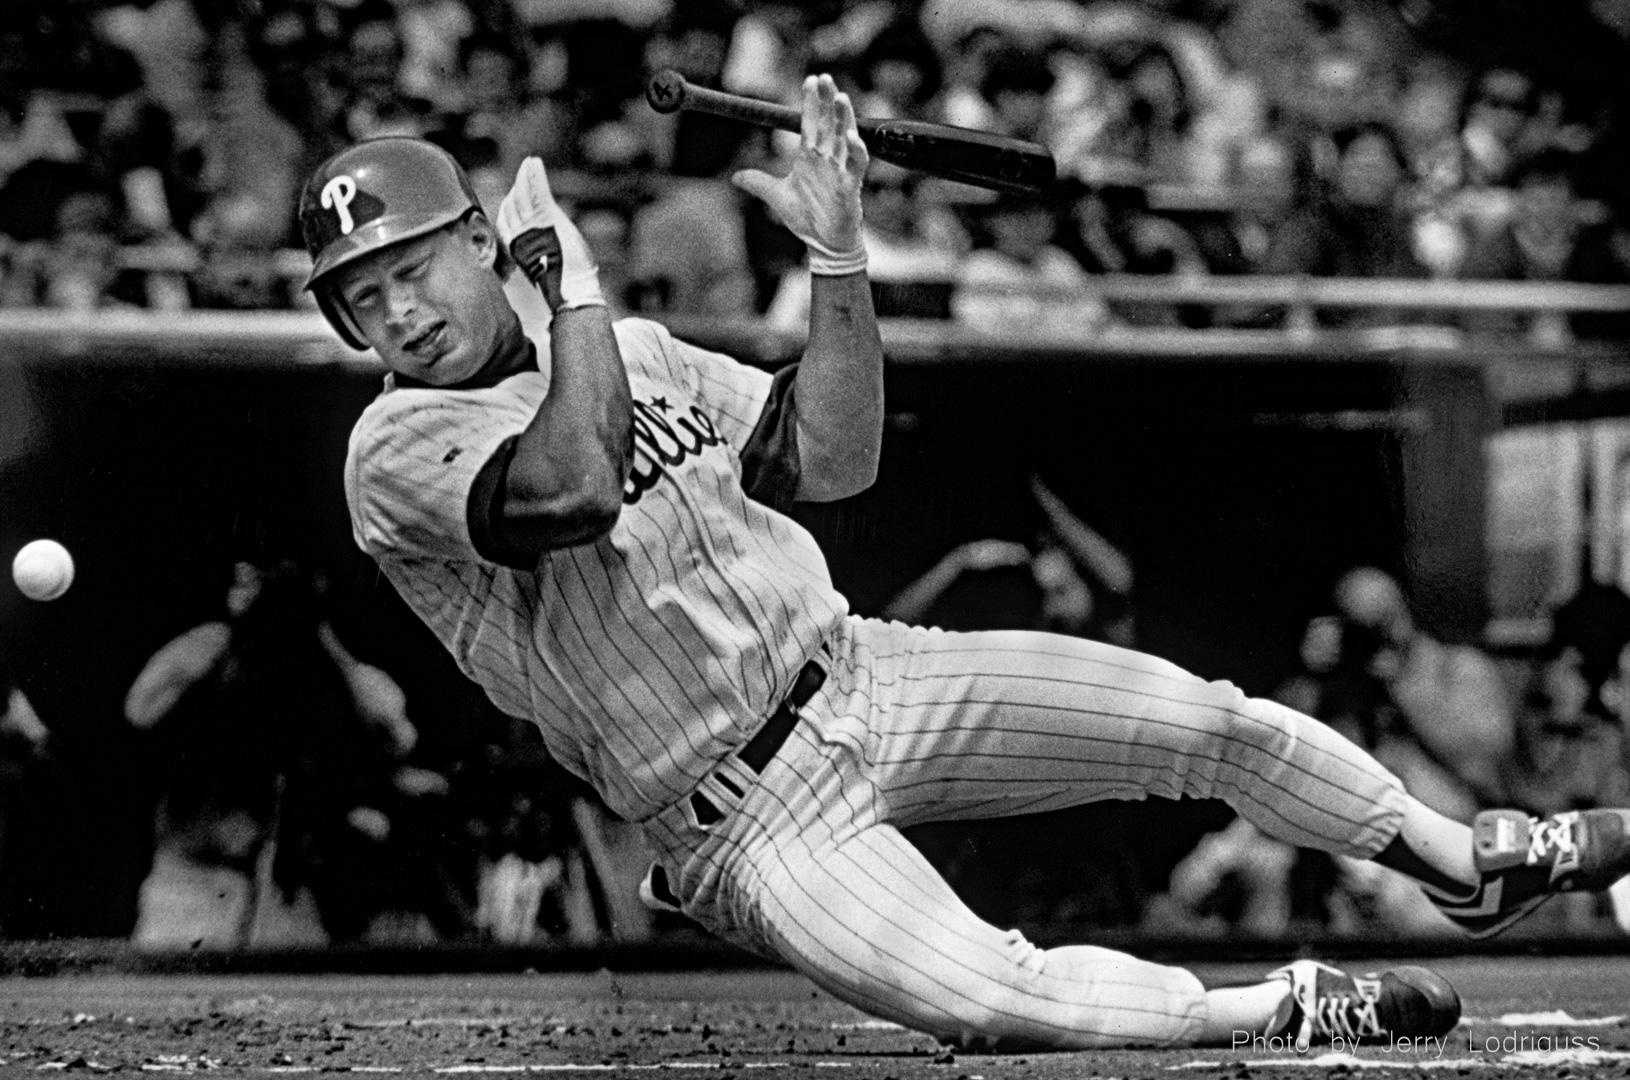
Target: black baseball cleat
(1524, 861)
(1326, 1003)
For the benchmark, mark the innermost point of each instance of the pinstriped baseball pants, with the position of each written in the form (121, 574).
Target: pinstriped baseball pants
(917, 725)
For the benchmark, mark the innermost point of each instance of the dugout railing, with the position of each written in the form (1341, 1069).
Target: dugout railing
(1300, 297)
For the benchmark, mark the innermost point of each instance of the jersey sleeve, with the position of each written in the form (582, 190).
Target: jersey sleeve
(413, 462)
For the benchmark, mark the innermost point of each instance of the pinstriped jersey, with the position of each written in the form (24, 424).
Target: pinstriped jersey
(649, 654)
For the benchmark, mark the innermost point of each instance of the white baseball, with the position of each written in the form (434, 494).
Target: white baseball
(43, 569)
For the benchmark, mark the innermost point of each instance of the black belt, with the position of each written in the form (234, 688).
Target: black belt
(768, 740)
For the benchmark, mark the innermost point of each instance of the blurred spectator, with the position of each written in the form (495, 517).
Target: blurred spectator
(688, 247)
(1017, 280)
(605, 230)
(1015, 87)
(605, 91)
(64, 222)
(36, 130)
(1274, 179)
(1494, 126)
(769, 51)
(842, 31)
(1113, 232)
(1326, 63)
(1447, 720)
(1437, 715)
(1428, 126)
(1428, 123)
(1571, 749)
(1159, 112)
(433, 36)
(371, 78)
(1132, 119)
(284, 761)
(898, 74)
(966, 67)
(1550, 235)
(1238, 880)
(22, 732)
(1073, 581)
(250, 157)
(493, 105)
(157, 176)
(1356, 225)
(1351, 72)
(169, 43)
(689, 252)
(493, 125)
(1505, 120)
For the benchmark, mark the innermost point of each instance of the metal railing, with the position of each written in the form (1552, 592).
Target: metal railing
(1411, 326)
(1298, 291)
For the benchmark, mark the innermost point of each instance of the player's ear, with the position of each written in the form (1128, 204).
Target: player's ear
(489, 248)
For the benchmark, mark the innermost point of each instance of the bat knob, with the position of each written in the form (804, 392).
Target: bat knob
(666, 91)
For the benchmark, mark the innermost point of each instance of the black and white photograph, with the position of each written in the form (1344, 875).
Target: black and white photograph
(904, 539)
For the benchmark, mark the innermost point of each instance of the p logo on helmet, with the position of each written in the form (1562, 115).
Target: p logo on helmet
(337, 196)
(370, 196)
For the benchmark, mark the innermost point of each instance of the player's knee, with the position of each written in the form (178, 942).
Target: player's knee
(1230, 729)
(1220, 715)
(987, 1028)
(1002, 1011)
(1009, 1019)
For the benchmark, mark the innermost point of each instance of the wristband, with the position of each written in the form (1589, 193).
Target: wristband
(556, 260)
(828, 263)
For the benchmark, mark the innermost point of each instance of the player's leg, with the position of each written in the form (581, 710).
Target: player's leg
(863, 914)
(990, 724)
(871, 922)
(981, 725)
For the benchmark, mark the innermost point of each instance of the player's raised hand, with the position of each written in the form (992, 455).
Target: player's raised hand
(545, 244)
(819, 199)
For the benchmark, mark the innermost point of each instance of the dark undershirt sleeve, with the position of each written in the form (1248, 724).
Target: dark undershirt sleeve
(485, 510)
(769, 459)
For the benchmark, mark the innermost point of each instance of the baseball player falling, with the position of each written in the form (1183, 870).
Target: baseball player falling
(591, 516)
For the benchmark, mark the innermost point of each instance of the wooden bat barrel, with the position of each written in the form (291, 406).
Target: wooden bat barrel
(980, 158)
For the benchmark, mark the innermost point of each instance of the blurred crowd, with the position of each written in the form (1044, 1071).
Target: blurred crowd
(297, 796)
(1465, 729)
(151, 150)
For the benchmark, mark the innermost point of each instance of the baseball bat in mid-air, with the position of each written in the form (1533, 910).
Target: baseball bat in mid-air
(963, 154)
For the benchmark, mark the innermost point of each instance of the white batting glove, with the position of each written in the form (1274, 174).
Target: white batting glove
(545, 244)
(819, 200)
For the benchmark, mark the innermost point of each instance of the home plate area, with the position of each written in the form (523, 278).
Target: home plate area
(1524, 1016)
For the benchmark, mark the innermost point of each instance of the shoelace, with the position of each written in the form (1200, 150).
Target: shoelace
(1350, 1014)
(1350, 1017)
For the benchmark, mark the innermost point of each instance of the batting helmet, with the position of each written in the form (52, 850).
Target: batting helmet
(369, 196)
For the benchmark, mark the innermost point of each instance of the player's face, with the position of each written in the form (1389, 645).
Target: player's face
(431, 307)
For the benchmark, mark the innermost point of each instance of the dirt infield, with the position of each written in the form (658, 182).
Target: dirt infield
(1522, 1019)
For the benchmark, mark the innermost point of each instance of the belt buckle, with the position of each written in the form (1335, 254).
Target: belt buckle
(720, 792)
(723, 788)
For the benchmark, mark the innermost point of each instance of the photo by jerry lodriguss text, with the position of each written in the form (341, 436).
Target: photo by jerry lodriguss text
(1436, 1045)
